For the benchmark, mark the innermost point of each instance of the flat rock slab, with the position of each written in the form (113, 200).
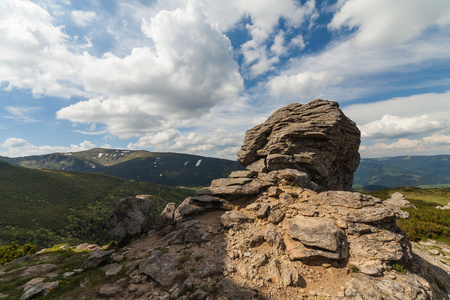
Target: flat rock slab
(297, 250)
(41, 288)
(233, 218)
(315, 232)
(161, 267)
(96, 258)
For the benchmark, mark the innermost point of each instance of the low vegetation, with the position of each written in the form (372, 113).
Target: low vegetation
(426, 221)
(13, 251)
(45, 208)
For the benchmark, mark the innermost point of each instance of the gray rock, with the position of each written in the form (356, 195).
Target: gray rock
(96, 258)
(399, 200)
(109, 290)
(130, 217)
(33, 282)
(234, 218)
(297, 250)
(166, 218)
(242, 174)
(273, 238)
(263, 211)
(276, 216)
(252, 187)
(199, 295)
(198, 204)
(259, 260)
(161, 267)
(367, 287)
(283, 273)
(256, 240)
(40, 289)
(112, 269)
(315, 232)
(315, 138)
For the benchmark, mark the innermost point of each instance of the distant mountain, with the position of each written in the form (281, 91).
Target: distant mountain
(389, 172)
(172, 169)
(175, 169)
(47, 207)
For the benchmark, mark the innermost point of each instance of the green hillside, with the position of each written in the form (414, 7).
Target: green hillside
(171, 169)
(46, 207)
(426, 221)
(389, 172)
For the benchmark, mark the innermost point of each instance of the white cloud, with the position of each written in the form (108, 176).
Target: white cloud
(435, 105)
(33, 52)
(358, 65)
(83, 18)
(15, 147)
(395, 126)
(22, 113)
(304, 85)
(437, 139)
(218, 143)
(384, 22)
(190, 70)
(435, 144)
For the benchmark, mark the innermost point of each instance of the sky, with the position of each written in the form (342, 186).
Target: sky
(191, 76)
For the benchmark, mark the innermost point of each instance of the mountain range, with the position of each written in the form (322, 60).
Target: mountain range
(175, 169)
(390, 172)
(172, 169)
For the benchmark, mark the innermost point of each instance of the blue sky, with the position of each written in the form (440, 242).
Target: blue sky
(191, 76)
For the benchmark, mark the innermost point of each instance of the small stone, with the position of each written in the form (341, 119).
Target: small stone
(256, 240)
(263, 211)
(276, 216)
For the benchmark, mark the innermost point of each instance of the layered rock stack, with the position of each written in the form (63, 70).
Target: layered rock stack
(315, 138)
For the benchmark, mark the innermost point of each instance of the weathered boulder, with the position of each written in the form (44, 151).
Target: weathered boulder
(161, 267)
(399, 200)
(367, 287)
(234, 218)
(96, 258)
(40, 289)
(130, 217)
(315, 138)
(314, 238)
(166, 217)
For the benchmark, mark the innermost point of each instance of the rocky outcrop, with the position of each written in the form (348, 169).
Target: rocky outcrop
(130, 217)
(315, 138)
(399, 200)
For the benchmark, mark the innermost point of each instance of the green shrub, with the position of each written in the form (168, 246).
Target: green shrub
(14, 251)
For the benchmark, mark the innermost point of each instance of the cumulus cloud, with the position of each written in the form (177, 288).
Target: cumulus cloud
(383, 22)
(437, 143)
(305, 84)
(33, 51)
(435, 105)
(220, 143)
(437, 139)
(395, 126)
(14, 147)
(358, 57)
(265, 15)
(83, 18)
(190, 70)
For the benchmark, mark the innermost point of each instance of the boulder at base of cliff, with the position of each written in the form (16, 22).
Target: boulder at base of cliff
(130, 217)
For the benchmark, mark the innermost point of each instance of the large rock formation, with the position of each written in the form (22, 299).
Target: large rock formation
(130, 217)
(315, 138)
